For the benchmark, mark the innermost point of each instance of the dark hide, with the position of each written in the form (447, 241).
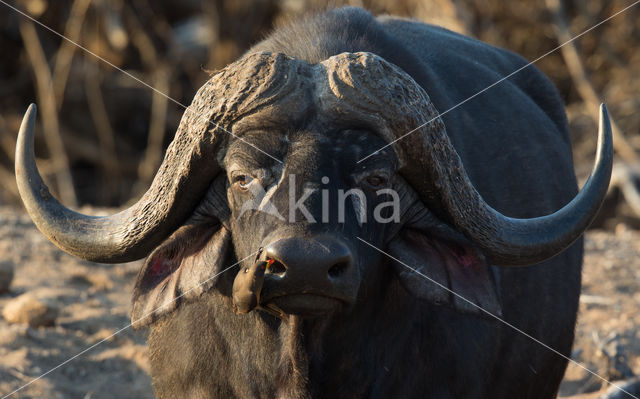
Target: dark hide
(401, 336)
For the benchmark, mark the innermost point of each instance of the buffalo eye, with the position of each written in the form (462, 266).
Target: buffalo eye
(242, 181)
(376, 181)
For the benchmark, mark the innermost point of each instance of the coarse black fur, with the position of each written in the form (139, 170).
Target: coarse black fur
(514, 144)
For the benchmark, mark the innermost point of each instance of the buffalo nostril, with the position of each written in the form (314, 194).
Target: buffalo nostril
(277, 268)
(338, 269)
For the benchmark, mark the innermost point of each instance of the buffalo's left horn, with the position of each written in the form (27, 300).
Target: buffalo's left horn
(394, 104)
(510, 241)
(127, 235)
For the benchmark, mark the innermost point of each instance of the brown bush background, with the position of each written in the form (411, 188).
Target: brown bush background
(101, 134)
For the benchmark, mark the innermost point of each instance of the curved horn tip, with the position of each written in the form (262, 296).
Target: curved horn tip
(603, 109)
(604, 117)
(31, 112)
(26, 133)
(570, 221)
(29, 118)
(605, 134)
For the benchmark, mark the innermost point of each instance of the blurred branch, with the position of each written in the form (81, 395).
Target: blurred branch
(160, 26)
(449, 13)
(589, 20)
(51, 127)
(7, 145)
(159, 103)
(141, 39)
(626, 176)
(7, 141)
(8, 179)
(106, 139)
(82, 148)
(67, 49)
(581, 79)
(154, 152)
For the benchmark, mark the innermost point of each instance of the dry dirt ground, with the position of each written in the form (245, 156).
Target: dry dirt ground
(93, 301)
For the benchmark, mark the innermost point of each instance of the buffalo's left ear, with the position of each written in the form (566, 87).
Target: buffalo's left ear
(442, 267)
(183, 267)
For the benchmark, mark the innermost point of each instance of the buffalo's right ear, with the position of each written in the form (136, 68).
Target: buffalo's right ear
(445, 269)
(183, 267)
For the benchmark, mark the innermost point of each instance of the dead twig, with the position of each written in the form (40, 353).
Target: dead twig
(7, 140)
(456, 16)
(106, 137)
(154, 151)
(159, 103)
(626, 177)
(140, 39)
(580, 77)
(596, 300)
(51, 127)
(67, 49)
(84, 149)
(8, 179)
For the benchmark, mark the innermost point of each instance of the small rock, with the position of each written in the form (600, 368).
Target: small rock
(27, 309)
(97, 281)
(6, 276)
(618, 364)
(11, 334)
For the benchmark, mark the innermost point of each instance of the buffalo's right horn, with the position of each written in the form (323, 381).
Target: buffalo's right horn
(127, 235)
(255, 82)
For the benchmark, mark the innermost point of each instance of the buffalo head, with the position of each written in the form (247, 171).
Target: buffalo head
(270, 167)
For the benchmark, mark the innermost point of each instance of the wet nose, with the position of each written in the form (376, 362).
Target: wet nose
(318, 260)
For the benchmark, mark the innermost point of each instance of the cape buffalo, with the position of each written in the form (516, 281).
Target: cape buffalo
(258, 284)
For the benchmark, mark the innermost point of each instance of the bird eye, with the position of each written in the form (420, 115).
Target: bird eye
(242, 181)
